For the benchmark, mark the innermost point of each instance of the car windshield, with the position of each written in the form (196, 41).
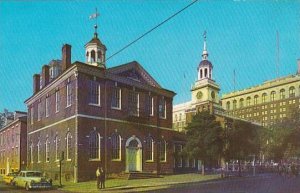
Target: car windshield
(34, 174)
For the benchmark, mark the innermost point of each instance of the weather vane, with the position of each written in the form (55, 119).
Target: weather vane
(95, 16)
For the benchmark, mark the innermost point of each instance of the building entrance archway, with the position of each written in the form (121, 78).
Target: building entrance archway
(133, 155)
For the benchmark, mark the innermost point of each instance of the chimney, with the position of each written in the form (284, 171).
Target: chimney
(66, 57)
(298, 62)
(36, 83)
(45, 75)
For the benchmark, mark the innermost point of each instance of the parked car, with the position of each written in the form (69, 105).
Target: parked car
(32, 180)
(8, 179)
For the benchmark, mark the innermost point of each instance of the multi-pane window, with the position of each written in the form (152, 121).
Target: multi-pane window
(116, 147)
(264, 98)
(31, 115)
(133, 100)
(69, 94)
(31, 152)
(162, 108)
(94, 143)
(47, 106)
(57, 101)
(255, 101)
(47, 150)
(282, 94)
(292, 92)
(234, 104)
(228, 105)
(69, 146)
(39, 151)
(163, 151)
(116, 98)
(241, 103)
(248, 101)
(94, 92)
(273, 94)
(39, 110)
(57, 141)
(149, 149)
(149, 105)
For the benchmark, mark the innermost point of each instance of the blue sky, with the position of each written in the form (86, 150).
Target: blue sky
(241, 35)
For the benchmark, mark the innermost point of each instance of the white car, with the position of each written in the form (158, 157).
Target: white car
(32, 180)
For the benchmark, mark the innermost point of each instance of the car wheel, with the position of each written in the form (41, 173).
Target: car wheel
(27, 187)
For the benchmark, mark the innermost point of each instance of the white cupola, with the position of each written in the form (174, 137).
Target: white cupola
(95, 51)
(205, 67)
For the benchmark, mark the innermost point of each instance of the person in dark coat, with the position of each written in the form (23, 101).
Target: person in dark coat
(102, 178)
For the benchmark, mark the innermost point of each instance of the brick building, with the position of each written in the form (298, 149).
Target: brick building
(13, 143)
(119, 118)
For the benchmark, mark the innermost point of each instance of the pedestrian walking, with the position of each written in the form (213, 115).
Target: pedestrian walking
(98, 174)
(102, 178)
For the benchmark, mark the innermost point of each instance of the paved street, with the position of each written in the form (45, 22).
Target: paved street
(269, 183)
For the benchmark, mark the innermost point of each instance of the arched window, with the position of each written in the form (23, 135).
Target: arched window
(255, 101)
(248, 101)
(205, 73)
(47, 158)
(116, 146)
(31, 152)
(163, 151)
(282, 94)
(228, 105)
(57, 141)
(234, 104)
(272, 96)
(87, 56)
(39, 151)
(69, 146)
(241, 103)
(149, 149)
(264, 98)
(201, 74)
(99, 55)
(93, 56)
(94, 143)
(180, 117)
(292, 92)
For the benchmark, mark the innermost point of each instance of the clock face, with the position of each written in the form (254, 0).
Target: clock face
(213, 95)
(199, 95)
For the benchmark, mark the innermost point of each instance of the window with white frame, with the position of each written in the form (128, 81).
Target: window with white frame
(282, 94)
(163, 151)
(39, 151)
(116, 98)
(292, 92)
(255, 102)
(273, 95)
(149, 149)
(187, 162)
(57, 143)
(69, 146)
(39, 110)
(94, 144)
(47, 149)
(31, 152)
(47, 106)
(116, 146)
(69, 94)
(94, 93)
(57, 101)
(31, 115)
(133, 103)
(162, 107)
(149, 105)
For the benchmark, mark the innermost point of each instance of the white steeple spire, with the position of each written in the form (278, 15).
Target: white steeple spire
(205, 52)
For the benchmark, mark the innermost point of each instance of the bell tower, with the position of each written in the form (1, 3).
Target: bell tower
(94, 50)
(205, 91)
